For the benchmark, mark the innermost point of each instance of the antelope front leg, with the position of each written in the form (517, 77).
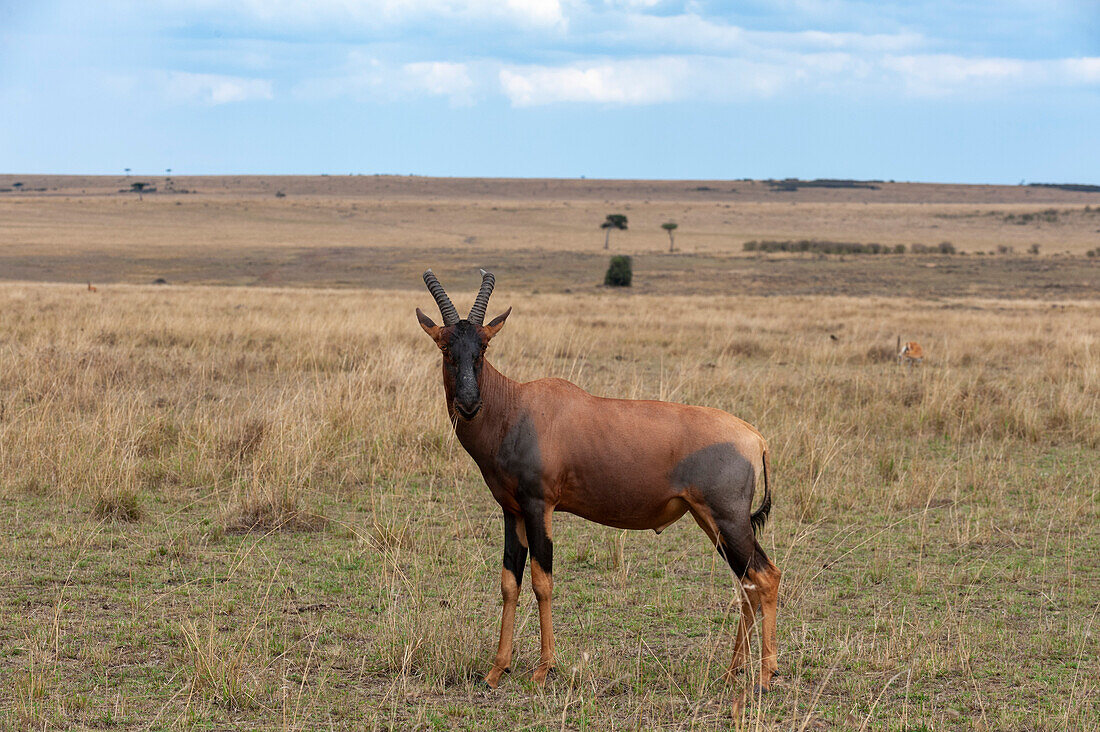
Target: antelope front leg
(538, 527)
(511, 577)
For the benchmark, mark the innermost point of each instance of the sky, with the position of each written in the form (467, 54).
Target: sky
(967, 91)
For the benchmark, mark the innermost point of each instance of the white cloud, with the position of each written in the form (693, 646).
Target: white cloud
(373, 13)
(538, 12)
(728, 78)
(938, 74)
(644, 81)
(943, 74)
(618, 52)
(693, 33)
(370, 79)
(1081, 70)
(440, 78)
(184, 87)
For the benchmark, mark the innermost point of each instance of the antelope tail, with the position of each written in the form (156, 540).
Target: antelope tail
(760, 516)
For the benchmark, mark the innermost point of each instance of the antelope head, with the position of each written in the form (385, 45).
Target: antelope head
(462, 343)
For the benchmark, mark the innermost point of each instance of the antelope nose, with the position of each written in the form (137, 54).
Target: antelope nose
(467, 411)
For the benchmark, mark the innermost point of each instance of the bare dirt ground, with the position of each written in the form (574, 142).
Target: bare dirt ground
(377, 231)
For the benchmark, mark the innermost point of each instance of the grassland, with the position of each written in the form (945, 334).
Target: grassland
(938, 527)
(242, 507)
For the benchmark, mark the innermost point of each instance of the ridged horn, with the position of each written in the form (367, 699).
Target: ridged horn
(477, 312)
(446, 307)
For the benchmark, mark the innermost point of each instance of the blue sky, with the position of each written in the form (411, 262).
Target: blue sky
(963, 91)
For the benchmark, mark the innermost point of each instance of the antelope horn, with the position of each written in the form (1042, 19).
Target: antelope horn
(477, 312)
(446, 307)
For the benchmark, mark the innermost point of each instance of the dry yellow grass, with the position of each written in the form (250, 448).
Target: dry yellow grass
(937, 526)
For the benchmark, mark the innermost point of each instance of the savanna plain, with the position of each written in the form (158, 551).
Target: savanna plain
(234, 500)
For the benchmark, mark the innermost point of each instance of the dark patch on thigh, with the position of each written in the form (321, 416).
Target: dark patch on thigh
(519, 458)
(723, 475)
(725, 480)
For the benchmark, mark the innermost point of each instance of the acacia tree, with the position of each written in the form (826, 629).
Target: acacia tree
(670, 226)
(138, 188)
(613, 221)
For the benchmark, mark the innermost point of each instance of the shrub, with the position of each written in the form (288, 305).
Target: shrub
(117, 504)
(879, 354)
(816, 246)
(620, 272)
(946, 247)
(267, 508)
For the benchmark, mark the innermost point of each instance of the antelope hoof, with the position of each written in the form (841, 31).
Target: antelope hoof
(539, 677)
(764, 685)
(730, 677)
(492, 680)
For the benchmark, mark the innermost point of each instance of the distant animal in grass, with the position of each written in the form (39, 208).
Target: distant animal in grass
(92, 288)
(911, 353)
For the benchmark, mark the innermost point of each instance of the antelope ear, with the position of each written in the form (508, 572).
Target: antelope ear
(496, 323)
(429, 327)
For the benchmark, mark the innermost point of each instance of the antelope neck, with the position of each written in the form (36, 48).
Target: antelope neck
(481, 436)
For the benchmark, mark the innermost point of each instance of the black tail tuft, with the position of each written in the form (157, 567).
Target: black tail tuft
(760, 516)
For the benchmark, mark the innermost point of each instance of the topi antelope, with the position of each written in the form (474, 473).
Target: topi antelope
(547, 446)
(911, 353)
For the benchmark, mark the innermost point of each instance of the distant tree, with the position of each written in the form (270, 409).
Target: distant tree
(138, 188)
(613, 221)
(17, 185)
(127, 172)
(670, 226)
